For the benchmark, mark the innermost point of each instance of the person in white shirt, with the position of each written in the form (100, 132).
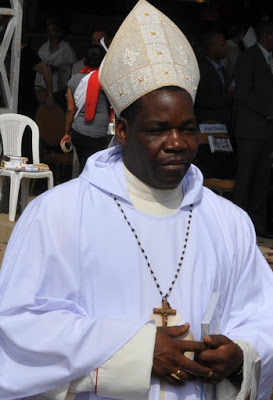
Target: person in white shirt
(59, 56)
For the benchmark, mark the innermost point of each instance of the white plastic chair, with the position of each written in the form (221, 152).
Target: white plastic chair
(12, 128)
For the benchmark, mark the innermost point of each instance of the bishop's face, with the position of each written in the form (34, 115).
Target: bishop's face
(162, 141)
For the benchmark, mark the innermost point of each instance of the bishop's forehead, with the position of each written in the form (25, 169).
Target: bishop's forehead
(148, 52)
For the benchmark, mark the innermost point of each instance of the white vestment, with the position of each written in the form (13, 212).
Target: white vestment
(75, 288)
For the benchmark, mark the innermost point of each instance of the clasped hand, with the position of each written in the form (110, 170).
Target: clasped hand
(216, 358)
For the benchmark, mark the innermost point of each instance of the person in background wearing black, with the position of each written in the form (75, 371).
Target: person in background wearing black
(253, 127)
(31, 63)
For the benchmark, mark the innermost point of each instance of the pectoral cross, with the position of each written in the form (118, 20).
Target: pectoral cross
(165, 311)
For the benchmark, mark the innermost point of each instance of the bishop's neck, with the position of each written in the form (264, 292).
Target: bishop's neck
(152, 201)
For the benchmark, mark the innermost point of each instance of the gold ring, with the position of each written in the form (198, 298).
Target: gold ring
(175, 375)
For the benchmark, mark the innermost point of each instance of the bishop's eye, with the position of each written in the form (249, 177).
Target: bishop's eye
(160, 130)
(190, 130)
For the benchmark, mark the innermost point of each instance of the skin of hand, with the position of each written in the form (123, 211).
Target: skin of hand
(65, 138)
(222, 356)
(169, 356)
(69, 116)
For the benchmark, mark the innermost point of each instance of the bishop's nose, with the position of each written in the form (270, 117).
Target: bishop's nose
(175, 141)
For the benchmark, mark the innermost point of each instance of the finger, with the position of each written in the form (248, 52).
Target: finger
(216, 376)
(178, 378)
(167, 376)
(216, 340)
(174, 331)
(191, 345)
(210, 356)
(193, 367)
(187, 377)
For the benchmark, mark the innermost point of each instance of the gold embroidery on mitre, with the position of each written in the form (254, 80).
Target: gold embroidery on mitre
(139, 45)
(129, 57)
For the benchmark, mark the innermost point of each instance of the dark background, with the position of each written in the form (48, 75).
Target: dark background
(80, 17)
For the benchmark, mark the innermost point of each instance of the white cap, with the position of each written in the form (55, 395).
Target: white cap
(148, 52)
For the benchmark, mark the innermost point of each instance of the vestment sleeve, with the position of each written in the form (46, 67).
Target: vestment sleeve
(117, 377)
(251, 305)
(225, 390)
(47, 338)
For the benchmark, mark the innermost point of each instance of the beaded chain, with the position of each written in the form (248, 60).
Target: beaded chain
(146, 257)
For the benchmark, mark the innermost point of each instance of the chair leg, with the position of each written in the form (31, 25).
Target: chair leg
(24, 193)
(32, 187)
(13, 197)
(50, 182)
(1, 186)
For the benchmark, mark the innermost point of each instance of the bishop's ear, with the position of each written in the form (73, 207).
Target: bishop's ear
(122, 129)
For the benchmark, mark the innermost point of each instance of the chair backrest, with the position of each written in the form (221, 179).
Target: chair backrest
(12, 127)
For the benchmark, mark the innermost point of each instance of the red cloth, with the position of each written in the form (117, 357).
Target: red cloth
(92, 93)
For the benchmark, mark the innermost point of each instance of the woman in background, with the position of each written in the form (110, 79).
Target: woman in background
(87, 115)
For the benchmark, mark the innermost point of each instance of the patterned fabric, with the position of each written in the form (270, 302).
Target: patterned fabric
(148, 52)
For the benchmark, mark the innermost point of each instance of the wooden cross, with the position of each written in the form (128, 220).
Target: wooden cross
(165, 311)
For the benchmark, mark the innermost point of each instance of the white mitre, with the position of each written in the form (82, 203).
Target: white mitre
(148, 52)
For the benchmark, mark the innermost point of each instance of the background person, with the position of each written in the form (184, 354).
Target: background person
(234, 48)
(214, 95)
(253, 126)
(96, 37)
(213, 104)
(30, 64)
(59, 56)
(87, 115)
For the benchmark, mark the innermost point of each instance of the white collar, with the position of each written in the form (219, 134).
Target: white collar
(151, 200)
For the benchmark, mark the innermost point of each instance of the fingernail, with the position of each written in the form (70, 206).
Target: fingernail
(186, 324)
